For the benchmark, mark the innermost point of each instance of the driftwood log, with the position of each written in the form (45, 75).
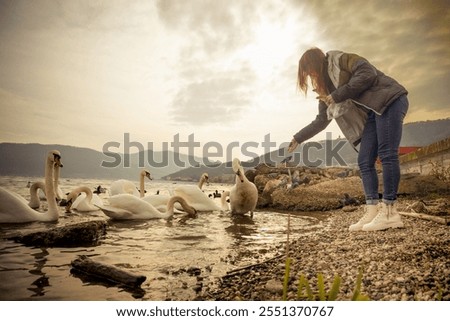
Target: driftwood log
(251, 266)
(106, 272)
(434, 218)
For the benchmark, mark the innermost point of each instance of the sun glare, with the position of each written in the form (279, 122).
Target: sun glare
(273, 44)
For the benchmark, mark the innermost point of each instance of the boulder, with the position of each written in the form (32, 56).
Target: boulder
(74, 235)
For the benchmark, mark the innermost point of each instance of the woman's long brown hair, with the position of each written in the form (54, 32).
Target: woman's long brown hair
(312, 64)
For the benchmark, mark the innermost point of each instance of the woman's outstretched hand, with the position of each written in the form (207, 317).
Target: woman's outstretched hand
(292, 145)
(326, 99)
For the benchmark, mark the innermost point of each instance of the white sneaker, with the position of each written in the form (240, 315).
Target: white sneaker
(387, 218)
(370, 211)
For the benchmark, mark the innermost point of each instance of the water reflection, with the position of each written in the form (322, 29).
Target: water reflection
(38, 286)
(242, 225)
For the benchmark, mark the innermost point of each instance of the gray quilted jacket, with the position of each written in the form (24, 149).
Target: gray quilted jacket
(357, 87)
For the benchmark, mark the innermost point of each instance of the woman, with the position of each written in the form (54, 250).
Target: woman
(369, 108)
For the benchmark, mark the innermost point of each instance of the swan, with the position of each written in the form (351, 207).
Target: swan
(244, 194)
(195, 197)
(35, 201)
(159, 201)
(14, 208)
(130, 207)
(58, 192)
(123, 186)
(83, 203)
(224, 202)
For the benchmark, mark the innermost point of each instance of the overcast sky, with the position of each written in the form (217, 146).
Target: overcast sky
(83, 73)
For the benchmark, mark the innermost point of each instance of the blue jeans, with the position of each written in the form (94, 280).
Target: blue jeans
(381, 138)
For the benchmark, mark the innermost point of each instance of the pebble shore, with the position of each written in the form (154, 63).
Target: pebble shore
(412, 263)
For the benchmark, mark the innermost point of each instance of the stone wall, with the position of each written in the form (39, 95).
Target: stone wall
(424, 159)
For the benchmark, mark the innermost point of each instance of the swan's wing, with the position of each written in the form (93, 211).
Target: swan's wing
(115, 212)
(81, 198)
(157, 200)
(123, 186)
(14, 208)
(197, 199)
(96, 200)
(10, 200)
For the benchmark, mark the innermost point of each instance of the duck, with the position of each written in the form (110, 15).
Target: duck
(195, 196)
(35, 201)
(82, 199)
(124, 186)
(244, 194)
(131, 207)
(348, 200)
(15, 209)
(99, 190)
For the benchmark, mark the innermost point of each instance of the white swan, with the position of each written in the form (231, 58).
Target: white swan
(130, 207)
(224, 202)
(15, 209)
(195, 196)
(244, 194)
(85, 202)
(41, 190)
(124, 186)
(160, 202)
(35, 201)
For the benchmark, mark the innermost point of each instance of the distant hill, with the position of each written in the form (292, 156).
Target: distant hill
(414, 134)
(28, 160)
(311, 154)
(424, 133)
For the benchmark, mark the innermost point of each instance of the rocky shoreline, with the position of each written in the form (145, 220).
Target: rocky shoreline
(398, 264)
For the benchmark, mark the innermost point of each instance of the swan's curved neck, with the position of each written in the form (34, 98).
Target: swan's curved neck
(84, 189)
(34, 198)
(35, 186)
(53, 211)
(240, 176)
(178, 199)
(170, 209)
(201, 182)
(56, 174)
(142, 186)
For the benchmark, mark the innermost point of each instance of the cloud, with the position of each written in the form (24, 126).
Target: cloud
(408, 40)
(215, 100)
(211, 26)
(217, 74)
(153, 66)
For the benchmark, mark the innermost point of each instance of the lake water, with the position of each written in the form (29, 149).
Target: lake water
(175, 256)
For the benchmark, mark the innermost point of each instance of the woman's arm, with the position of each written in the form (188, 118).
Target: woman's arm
(363, 76)
(315, 127)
